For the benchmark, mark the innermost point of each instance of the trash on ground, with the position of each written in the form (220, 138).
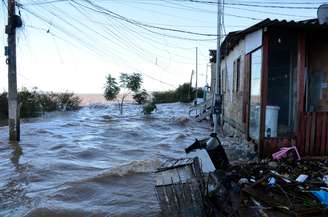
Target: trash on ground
(286, 188)
(290, 186)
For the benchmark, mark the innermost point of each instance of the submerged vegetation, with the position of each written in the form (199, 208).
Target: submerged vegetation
(141, 97)
(34, 103)
(184, 93)
(129, 84)
(149, 107)
(3, 106)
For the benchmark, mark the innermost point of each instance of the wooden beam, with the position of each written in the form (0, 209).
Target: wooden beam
(264, 91)
(301, 132)
(301, 73)
(13, 107)
(246, 107)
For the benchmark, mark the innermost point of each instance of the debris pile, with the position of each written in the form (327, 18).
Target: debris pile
(288, 187)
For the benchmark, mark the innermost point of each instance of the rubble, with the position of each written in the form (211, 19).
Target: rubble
(283, 186)
(270, 188)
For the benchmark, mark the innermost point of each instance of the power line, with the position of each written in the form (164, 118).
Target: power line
(135, 22)
(249, 5)
(85, 44)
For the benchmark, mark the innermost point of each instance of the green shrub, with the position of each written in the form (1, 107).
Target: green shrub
(67, 102)
(48, 102)
(33, 103)
(141, 97)
(3, 106)
(149, 107)
(30, 105)
(165, 96)
(184, 93)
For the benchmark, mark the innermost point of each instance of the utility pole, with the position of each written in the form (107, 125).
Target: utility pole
(196, 96)
(217, 95)
(190, 88)
(13, 107)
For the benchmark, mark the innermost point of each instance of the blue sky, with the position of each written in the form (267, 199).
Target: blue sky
(65, 46)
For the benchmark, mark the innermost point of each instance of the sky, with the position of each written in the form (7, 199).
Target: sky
(72, 45)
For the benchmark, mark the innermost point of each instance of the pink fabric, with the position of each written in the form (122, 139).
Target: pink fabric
(283, 153)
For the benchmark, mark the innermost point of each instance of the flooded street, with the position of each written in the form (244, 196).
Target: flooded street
(93, 162)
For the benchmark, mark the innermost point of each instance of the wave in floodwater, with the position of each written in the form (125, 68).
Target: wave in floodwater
(130, 169)
(94, 162)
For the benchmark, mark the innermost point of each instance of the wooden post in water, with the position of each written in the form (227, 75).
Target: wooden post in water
(13, 107)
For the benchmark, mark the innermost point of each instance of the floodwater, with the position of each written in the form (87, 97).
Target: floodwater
(93, 162)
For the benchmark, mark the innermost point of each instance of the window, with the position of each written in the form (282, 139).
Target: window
(236, 75)
(224, 80)
(255, 94)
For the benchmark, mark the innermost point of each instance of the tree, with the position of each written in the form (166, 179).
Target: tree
(141, 97)
(111, 89)
(132, 82)
(3, 105)
(128, 83)
(185, 93)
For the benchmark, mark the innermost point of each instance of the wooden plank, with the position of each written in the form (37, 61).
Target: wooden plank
(307, 134)
(323, 134)
(318, 133)
(326, 133)
(246, 96)
(202, 105)
(312, 137)
(300, 135)
(305, 118)
(203, 115)
(301, 72)
(247, 92)
(303, 130)
(313, 132)
(301, 117)
(264, 90)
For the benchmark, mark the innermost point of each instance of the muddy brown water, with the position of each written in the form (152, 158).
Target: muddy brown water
(93, 162)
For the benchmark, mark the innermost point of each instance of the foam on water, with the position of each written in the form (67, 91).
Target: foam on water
(132, 168)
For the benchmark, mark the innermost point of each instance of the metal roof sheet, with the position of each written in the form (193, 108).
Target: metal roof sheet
(233, 38)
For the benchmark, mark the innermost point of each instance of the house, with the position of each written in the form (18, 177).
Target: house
(274, 79)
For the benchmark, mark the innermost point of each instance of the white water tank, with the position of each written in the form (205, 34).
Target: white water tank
(271, 121)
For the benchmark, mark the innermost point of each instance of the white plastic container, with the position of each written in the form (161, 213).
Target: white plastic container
(271, 121)
(205, 161)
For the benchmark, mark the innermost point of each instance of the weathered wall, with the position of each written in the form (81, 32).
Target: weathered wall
(318, 72)
(253, 41)
(232, 100)
(213, 80)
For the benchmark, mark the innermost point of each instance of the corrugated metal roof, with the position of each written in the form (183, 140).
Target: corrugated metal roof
(306, 24)
(233, 38)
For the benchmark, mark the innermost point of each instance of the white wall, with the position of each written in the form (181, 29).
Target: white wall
(227, 63)
(233, 101)
(253, 41)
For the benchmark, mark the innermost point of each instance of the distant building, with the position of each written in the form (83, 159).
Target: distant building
(275, 85)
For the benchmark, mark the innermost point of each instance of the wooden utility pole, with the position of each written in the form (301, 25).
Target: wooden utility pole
(218, 96)
(190, 88)
(196, 94)
(13, 107)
